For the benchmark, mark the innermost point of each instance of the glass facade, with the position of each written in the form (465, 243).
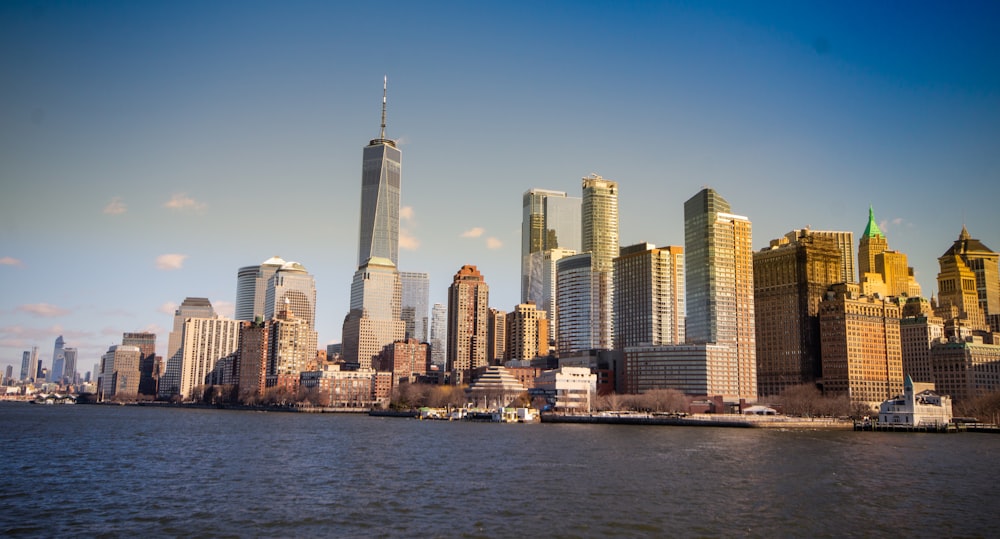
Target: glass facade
(380, 180)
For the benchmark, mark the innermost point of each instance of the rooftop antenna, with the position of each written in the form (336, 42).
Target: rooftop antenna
(385, 84)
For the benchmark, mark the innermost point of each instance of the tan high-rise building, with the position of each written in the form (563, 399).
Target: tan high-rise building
(649, 295)
(871, 244)
(205, 342)
(918, 330)
(860, 343)
(969, 279)
(881, 271)
(599, 227)
(150, 366)
(468, 319)
(496, 331)
(897, 274)
(845, 242)
(376, 310)
(170, 382)
(719, 286)
(527, 332)
(291, 349)
(791, 277)
(119, 372)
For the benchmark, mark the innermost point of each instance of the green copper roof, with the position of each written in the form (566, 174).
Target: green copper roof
(872, 229)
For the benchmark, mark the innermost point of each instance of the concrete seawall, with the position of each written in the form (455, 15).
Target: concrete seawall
(700, 420)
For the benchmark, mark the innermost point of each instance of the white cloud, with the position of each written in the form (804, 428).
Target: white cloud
(406, 213)
(493, 243)
(473, 233)
(225, 309)
(42, 309)
(115, 207)
(10, 261)
(408, 241)
(170, 261)
(168, 308)
(181, 202)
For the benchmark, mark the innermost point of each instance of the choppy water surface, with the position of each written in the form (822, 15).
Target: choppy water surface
(130, 471)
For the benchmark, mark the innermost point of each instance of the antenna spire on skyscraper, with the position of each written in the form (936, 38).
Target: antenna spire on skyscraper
(385, 84)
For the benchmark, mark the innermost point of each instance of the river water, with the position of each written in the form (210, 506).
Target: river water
(144, 471)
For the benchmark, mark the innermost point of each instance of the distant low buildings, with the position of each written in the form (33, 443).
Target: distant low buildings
(568, 389)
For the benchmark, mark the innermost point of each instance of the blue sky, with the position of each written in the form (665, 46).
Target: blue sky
(148, 150)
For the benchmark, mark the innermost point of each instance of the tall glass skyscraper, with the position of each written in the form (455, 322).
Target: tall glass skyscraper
(549, 220)
(380, 176)
(416, 294)
(720, 302)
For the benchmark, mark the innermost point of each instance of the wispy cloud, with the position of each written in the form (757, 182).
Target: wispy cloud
(182, 202)
(474, 232)
(169, 262)
(493, 243)
(10, 261)
(168, 308)
(895, 222)
(115, 207)
(408, 241)
(42, 309)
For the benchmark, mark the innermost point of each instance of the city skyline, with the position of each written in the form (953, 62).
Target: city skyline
(138, 171)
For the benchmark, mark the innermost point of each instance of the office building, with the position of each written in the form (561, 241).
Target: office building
(965, 367)
(189, 308)
(919, 328)
(408, 361)
(468, 318)
(599, 228)
(69, 371)
(374, 319)
(119, 373)
(719, 274)
(58, 361)
(291, 286)
(29, 364)
(550, 220)
(791, 277)
(496, 336)
(439, 335)
(542, 271)
(254, 343)
(527, 333)
(845, 243)
(702, 369)
(380, 187)
(149, 365)
(969, 280)
(291, 349)
(205, 342)
(577, 299)
(649, 295)
(251, 288)
(871, 244)
(882, 271)
(860, 345)
(416, 293)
